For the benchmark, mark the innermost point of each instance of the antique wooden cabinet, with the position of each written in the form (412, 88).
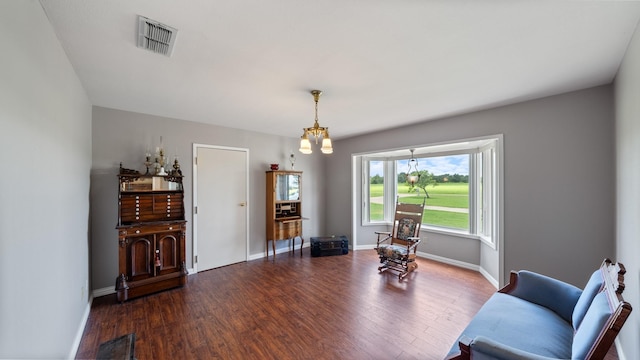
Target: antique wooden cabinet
(151, 234)
(284, 207)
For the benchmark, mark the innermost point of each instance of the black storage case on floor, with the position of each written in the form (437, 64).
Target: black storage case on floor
(329, 245)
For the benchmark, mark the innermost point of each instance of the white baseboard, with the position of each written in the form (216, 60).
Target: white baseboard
(104, 291)
(445, 260)
(278, 251)
(490, 278)
(461, 264)
(80, 332)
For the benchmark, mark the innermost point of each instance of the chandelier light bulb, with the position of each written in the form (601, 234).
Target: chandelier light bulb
(326, 146)
(305, 144)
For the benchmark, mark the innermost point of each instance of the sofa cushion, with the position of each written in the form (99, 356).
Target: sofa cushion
(546, 291)
(590, 327)
(594, 285)
(483, 348)
(525, 325)
(394, 252)
(406, 229)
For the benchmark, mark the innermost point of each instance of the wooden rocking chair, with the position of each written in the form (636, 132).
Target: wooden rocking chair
(397, 248)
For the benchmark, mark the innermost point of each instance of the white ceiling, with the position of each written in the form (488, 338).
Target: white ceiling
(250, 64)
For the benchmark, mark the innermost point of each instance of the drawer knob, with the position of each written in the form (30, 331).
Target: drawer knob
(137, 231)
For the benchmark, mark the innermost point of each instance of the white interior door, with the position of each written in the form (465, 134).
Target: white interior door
(220, 197)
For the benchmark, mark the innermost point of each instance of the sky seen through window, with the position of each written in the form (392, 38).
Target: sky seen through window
(452, 164)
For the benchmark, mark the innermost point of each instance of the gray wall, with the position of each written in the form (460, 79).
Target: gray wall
(122, 136)
(627, 109)
(558, 181)
(45, 140)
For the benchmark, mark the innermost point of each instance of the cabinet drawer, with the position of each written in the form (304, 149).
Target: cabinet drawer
(137, 214)
(289, 229)
(140, 208)
(167, 206)
(133, 201)
(136, 207)
(150, 229)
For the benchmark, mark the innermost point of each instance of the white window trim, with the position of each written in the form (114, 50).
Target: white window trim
(389, 187)
(365, 191)
(489, 176)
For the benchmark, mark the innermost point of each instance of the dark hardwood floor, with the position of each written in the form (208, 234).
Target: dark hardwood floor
(295, 307)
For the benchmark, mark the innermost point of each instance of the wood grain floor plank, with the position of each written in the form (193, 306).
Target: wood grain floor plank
(297, 307)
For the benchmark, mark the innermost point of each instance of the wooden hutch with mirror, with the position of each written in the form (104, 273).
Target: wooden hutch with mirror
(284, 207)
(151, 233)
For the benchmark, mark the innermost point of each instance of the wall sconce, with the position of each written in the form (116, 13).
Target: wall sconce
(315, 131)
(413, 163)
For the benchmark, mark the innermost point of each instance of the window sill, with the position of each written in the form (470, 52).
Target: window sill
(450, 232)
(460, 234)
(443, 231)
(381, 223)
(488, 242)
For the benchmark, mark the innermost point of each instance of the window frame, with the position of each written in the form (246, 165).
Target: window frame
(485, 164)
(445, 154)
(493, 168)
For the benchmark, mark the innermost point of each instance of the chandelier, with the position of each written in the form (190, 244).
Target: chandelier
(413, 177)
(315, 131)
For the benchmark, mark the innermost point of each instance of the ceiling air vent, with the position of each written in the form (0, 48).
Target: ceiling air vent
(155, 36)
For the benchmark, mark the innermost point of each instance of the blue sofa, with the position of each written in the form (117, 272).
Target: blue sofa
(538, 317)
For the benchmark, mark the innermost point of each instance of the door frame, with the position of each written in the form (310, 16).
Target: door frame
(194, 215)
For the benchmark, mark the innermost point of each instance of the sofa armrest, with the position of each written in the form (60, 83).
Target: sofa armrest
(553, 294)
(483, 348)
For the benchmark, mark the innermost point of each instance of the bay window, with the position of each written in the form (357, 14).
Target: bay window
(459, 181)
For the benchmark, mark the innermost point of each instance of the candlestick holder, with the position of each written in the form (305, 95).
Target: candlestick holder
(147, 163)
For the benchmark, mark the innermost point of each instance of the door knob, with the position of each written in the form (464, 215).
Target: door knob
(243, 204)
